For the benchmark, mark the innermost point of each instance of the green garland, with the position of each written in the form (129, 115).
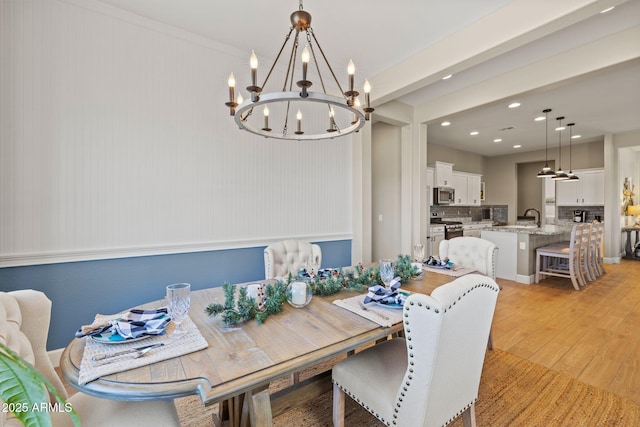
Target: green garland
(357, 280)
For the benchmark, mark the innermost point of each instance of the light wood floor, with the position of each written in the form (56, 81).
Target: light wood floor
(592, 334)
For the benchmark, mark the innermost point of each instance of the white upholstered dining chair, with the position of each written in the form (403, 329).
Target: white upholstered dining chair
(472, 252)
(24, 325)
(432, 375)
(290, 256)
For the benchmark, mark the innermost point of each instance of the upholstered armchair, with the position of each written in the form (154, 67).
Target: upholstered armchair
(290, 256)
(432, 375)
(24, 325)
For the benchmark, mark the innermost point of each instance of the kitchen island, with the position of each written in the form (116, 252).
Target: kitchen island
(517, 246)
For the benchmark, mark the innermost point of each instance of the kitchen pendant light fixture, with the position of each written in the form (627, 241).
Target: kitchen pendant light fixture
(572, 176)
(560, 174)
(546, 171)
(341, 115)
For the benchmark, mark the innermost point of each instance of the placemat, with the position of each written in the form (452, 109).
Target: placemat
(174, 346)
(456, 272)
(382, 316)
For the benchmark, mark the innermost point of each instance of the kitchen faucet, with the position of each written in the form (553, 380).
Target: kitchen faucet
(536, 211)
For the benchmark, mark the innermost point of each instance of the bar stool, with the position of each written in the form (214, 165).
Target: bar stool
(562, 259)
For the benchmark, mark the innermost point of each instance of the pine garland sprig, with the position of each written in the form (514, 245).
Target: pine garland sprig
(245, 308)
(404, 269)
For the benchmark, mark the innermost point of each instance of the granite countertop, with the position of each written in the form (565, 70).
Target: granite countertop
(547, 230)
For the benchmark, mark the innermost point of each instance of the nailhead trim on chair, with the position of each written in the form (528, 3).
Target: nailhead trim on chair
(408, 383)
(410, 347)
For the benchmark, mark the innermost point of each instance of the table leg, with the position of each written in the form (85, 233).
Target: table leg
(260, 408)
(627, 246)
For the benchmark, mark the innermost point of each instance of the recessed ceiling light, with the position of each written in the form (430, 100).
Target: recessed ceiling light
(445, 123)
(514, 105)
(539, 118)
(576, 136)
(559, 128)
(607, 10)
(517, 146)
(474, 133)
(497, 140)
(447, 77)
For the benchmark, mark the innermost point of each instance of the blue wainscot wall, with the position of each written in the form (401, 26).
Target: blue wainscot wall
(81, 289)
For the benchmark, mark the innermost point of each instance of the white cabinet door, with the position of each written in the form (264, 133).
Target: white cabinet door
(442, 176)
(592, 188)
(568, 193)
(460, 186)
(588, 191)
(473, 189)
(467, 188)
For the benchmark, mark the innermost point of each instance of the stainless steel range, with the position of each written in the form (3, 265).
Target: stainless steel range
(451, 228)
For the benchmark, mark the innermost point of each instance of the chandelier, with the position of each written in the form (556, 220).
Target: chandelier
(341, 114)
(572, 176)
(546, 171)
(560, 174)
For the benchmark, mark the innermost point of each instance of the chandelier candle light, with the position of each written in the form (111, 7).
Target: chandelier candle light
(345, 113)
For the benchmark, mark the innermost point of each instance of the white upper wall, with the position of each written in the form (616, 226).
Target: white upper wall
(115, 141)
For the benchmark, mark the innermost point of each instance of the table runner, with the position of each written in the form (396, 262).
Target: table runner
(174, 346)
(382, 316)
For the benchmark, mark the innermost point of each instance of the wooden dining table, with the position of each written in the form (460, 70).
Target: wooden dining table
(242, 360)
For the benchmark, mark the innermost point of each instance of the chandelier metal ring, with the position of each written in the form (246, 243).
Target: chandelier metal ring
(312, 61)
(278, 97)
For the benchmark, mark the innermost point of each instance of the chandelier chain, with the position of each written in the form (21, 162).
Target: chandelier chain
(328, 65)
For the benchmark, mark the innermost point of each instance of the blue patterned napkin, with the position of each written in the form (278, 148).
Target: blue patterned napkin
(134, 324)
(382, 295)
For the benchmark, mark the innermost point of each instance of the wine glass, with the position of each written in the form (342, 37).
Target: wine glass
(418, 252)
(386, 271)
(178, 302)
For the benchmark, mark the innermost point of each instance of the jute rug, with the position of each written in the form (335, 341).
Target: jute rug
(513, 392)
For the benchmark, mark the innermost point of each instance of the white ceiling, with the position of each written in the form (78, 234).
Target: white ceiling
(380, 34)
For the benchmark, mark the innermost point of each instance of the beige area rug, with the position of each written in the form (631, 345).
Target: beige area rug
(513, 392)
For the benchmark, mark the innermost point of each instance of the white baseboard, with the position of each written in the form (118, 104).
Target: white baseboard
(527, 280)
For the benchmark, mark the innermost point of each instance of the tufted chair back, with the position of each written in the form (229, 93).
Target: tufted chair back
(290, 256)
(432, 375)
(24, 325)
(471, 252)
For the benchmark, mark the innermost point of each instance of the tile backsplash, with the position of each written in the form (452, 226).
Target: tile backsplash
(497, 213)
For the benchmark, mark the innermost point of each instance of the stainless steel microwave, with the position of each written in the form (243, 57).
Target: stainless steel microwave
(443, 195)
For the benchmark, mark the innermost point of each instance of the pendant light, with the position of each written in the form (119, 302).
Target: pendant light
(572, 176)
(546, 171)
(560, 174)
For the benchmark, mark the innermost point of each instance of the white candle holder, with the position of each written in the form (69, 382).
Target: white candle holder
(299, 294)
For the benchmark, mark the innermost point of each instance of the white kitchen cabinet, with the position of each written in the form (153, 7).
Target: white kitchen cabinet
(473, 189)
(467, 186)
(587, 191)
(435, 236)
(442, 174)
(460, 186)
